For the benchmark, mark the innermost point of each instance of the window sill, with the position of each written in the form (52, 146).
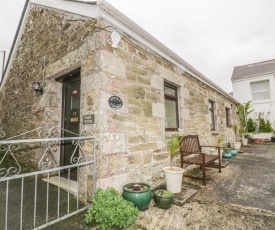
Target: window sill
(262, 101)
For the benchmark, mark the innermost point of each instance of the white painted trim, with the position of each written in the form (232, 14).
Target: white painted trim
(79, 8)
(120, 21)
(9, 66)
(247, 78)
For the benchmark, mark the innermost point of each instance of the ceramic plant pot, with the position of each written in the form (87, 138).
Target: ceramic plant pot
(237, 145)
(173, 178)
(244, 141)
(138, 193)
(227, 153)
(234, 152)
(163, 198)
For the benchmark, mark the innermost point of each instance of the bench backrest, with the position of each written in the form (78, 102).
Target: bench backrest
(190, 144)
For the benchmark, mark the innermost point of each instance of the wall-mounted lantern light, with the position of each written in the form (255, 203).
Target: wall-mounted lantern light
(37, 87)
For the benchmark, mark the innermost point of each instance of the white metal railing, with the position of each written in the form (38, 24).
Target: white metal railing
(42, 203)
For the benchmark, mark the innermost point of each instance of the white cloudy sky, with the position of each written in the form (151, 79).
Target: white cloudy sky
(211, 35)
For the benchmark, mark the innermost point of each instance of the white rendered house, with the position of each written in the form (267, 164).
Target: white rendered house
(256, 82)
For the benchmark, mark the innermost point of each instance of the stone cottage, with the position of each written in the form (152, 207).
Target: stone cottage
(102, 73)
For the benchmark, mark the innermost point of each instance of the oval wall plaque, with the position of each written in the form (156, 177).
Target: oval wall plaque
(115, 102)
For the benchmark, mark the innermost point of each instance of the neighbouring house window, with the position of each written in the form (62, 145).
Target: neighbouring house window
(171, 107)
(212, 114)
(228, 118)
(260, 90)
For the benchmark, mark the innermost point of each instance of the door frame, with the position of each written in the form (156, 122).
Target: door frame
(74, 75)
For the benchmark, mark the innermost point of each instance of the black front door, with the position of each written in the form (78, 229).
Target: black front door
(71, 116)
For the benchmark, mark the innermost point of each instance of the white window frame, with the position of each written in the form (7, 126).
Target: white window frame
(260, 91)
(211, 108)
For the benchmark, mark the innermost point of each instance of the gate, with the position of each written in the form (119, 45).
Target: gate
(36, 199)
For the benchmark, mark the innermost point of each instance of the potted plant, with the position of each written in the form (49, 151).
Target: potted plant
(163, 198)
(273, 136)
(242, 136)
(249, 138)
(138, 193)
(236, 144)
(173, 175)
(217, 144)
(226, 152)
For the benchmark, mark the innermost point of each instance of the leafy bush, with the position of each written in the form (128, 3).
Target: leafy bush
(262, 125)
(109, 209)
(251, 125)
(268, 128)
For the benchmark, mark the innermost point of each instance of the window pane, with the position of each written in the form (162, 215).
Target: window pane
(228, 119)
(211, 109)
(261, 95)
(170, 114)
(261, 85)
(169, 91)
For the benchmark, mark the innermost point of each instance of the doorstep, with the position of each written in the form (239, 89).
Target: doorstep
(65, 184)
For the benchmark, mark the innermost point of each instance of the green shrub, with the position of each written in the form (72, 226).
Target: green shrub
(251, 125)
(109, 209)
(262, 125)
(268, 128)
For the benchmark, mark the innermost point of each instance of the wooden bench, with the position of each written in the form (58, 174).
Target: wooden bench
(191, 153)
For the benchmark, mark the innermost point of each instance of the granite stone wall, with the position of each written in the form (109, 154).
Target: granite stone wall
(130, 140)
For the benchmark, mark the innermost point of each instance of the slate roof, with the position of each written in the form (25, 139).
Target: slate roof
(254, 69)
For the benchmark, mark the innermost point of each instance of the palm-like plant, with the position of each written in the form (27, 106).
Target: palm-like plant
(218, 141)
(174, 145)
(235, 129)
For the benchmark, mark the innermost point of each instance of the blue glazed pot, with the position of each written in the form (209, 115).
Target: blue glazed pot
(227, 154)
(234, 152)
(140, 198)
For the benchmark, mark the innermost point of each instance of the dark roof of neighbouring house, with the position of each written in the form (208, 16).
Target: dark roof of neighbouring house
(254, 69)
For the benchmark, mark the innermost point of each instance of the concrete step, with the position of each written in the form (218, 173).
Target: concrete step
(64, 184)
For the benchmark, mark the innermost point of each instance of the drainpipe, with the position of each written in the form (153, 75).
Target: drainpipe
(3, 65)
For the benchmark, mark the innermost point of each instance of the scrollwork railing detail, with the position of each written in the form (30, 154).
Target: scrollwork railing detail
(8, 152)
(47, 159)
(78, 149)
(49, 139)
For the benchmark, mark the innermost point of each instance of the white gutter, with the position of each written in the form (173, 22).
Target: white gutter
(252, 76)
(120, 21)
(132, 29)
